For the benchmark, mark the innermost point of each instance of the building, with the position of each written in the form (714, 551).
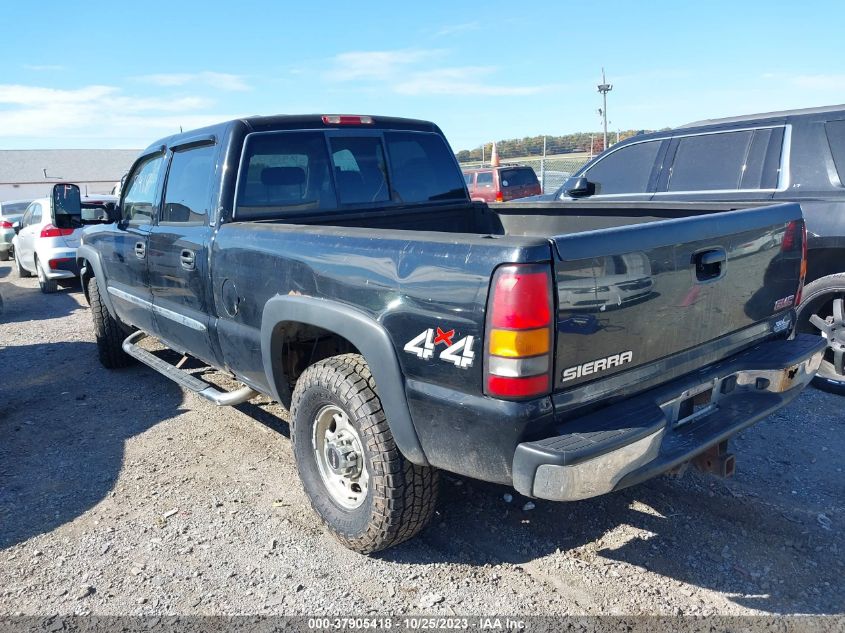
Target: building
(29, 173)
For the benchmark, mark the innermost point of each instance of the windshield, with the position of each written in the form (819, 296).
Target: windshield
(284, 173)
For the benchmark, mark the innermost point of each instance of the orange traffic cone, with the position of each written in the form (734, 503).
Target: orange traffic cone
(494, 156)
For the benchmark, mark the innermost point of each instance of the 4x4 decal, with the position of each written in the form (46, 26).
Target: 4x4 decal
(460, 353)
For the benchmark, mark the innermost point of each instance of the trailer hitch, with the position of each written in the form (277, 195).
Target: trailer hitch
(716, 460)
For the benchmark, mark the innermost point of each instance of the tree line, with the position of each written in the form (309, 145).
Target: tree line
(533, 145)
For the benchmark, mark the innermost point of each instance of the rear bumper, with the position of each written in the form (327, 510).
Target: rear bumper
(6, 236)
(64, 261)
(638, 438)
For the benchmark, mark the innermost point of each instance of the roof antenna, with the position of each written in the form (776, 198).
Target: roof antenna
(180, 129)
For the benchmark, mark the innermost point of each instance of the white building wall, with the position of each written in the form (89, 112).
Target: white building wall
(30, 191)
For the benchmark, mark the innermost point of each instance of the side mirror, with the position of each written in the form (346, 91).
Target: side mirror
(16, 225)
(579, 187)
(67, 200)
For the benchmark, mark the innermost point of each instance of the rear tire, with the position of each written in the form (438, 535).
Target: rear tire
(107, 330)
(823, 301)
(387, 499)
(4, 256)
(23, 273)
(47, 285)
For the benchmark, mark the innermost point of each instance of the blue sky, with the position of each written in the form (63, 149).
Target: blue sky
(109, 74)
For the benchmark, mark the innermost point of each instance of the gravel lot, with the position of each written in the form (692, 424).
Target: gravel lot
(122, 494)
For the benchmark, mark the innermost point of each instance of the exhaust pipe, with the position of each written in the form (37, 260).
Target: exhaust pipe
(716, 460)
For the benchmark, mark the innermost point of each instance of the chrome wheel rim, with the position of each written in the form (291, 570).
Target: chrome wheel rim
(340, 457)
(832, 327)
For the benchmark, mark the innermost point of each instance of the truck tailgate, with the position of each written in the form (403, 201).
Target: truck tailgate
(632, 295)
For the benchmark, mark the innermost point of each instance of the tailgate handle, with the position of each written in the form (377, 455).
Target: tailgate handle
(710, 264)
(140, 250)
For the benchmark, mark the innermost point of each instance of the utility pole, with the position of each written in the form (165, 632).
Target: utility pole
(543, 167)
(604, 88)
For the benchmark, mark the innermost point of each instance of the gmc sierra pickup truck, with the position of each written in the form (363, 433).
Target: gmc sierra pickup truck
(337, 265)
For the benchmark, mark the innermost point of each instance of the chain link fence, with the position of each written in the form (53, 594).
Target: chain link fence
(552, 171)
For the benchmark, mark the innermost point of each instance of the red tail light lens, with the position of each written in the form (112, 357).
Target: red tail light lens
(518, 349)
(803, 234)
(499, 197)
(5, 224)
(791, 235)
(55, 264)
(51, 231)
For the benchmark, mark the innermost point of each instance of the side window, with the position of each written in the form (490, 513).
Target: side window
(836, 139)
(627, 170)
(36, 214)
(709, 161)
(360, 170)
(484, 179)
(468, 179)
(187, 197)
(762, 165)
(139, 201)
(27, 217)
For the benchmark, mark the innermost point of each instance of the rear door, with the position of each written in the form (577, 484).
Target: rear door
(26, 239)
(518, 182)
(178, 251)
(125, 249)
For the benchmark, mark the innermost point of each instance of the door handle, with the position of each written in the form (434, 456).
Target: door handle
(188, 259)
(140, 250)
(710, 265)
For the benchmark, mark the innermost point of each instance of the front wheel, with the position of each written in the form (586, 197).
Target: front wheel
(108, 331)
(368, 495)
(822, 311)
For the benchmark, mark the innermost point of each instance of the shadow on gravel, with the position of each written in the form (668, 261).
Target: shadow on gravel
(30, 304)
(693, 530)
(64, 421)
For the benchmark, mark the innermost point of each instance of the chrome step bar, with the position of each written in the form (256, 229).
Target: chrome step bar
(183, 378)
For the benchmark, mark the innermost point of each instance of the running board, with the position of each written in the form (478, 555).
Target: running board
(183, 378)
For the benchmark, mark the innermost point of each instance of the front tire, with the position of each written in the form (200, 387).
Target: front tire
(4, 256)
(822, 311)
(107, 330)
(47, 285)
(368, 495)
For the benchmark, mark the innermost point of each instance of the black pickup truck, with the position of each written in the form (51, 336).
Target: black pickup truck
(337, 265)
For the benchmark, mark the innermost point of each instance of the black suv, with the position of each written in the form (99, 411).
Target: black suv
(796, 155)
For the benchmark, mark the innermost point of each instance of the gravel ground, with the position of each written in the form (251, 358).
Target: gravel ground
(122, 494)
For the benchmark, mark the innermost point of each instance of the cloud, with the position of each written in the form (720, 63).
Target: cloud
(454, 29)
(461, 81)
(376, 65)
(96, 112)
(43, 67)
(401, 72)
(219, 81)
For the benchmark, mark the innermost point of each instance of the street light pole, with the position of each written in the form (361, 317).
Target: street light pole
(604, 88)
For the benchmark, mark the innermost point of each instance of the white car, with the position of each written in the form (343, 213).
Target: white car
(48, 237)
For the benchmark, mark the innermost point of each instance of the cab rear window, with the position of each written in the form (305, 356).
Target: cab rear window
(284, 173)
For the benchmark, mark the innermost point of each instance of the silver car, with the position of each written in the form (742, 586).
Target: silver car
(11, 213)
(47, 247)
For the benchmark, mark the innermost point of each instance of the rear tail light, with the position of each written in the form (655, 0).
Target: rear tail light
(346, 119)
(499, 197)
(518, 355)
(4, 224)
(51, 231)
(56, 263)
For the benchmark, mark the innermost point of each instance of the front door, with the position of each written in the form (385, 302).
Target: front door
(125, 250)
(178, 253)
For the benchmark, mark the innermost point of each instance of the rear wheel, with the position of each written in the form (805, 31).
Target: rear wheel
(46, 284)
(822, 311)
(368, 495)
(108, 331)
(23, 273)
